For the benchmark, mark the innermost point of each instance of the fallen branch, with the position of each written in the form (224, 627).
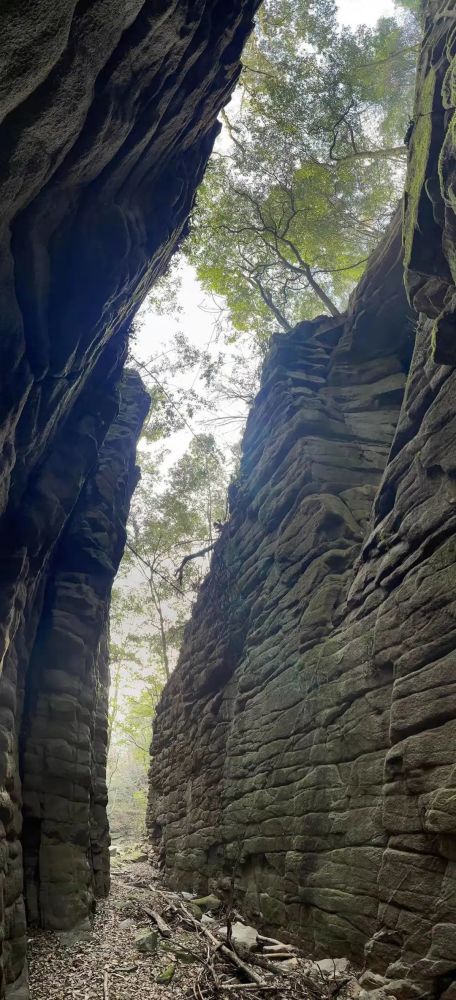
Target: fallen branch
(231, 955)
(275, 953)
(246, 986)
(274, 941)
(313, 987)
(265, 963)
(105, 985)
(163, 927)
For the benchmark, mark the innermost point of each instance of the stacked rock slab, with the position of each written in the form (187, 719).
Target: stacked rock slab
(309, 749)
(64, 728)
(53, 689)
(270, 738)
(107, 117)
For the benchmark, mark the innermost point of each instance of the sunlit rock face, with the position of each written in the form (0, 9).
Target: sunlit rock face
(107, 117)
(306, 743)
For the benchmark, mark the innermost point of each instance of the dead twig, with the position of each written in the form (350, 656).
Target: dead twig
(273, 941)
(275, 953)
(105, 985)
(231, 955)
(246, 986)
(264, 963)
(163, 927)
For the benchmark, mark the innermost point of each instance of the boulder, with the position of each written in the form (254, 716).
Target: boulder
(147, 941)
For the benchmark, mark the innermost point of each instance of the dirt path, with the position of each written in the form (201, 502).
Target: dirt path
(59, 971)
(108, 966)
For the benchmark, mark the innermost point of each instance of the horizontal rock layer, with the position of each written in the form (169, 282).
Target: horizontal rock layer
(307, 749)
(64, 727)
(269, 740)
(107, 117)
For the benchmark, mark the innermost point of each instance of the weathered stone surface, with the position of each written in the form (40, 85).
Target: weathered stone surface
(107, 117)
(64, 730)
(430, 207)
(147, 941)
(53, 692)
(243, 937)
(309, 747)
(101, 151)
(270, 737)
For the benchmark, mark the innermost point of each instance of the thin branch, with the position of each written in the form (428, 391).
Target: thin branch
(336, 270)
(341, 120)
(137, 745)
(231, 955)
(304, 267)
(255, 282)
(388, 153)
(151, 568)
(231, 129)
(192, 555)
(170, 399)
(394, 55)
(260, 72)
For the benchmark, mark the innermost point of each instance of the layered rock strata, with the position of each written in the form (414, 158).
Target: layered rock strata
(107, 117)
(53, 689)
(270, 737)
(308, 748)
(65, 720)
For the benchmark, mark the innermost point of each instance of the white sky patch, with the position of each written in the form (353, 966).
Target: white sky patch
(353, 12)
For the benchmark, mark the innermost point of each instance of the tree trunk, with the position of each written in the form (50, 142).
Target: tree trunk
(268, 300)
(388, 153)
(114, 706)
(320, 292)
(164, 646)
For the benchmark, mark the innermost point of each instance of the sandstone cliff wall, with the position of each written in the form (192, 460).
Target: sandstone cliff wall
(107, 116)
(309, 747)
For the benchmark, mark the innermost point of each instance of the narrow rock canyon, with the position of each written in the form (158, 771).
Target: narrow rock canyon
(107, 118)
(304, 748)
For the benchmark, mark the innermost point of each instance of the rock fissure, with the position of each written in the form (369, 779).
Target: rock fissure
(108, 115)
(304, 747)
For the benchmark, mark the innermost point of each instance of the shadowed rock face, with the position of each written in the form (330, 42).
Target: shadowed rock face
(107, 117)
(54, 683)
(430, 205)
(309, 746)
(109, 112)
(270, 739)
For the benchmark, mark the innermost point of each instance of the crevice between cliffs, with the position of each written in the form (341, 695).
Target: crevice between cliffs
(303, 753)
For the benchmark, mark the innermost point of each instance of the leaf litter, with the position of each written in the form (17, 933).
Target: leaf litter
(218, 957)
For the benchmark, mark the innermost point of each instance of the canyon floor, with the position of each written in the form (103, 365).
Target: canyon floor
(105, 963)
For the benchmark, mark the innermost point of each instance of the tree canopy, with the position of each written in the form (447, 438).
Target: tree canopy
(310, 165)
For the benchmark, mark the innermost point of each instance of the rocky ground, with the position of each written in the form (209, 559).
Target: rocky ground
(126, 957)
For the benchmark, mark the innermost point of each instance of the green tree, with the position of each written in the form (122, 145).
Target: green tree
(171, 532)
(170, 375)
(293, 203)
(170, 526)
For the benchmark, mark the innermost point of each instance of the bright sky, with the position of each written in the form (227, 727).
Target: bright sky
(355, 12)
(196, 318)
